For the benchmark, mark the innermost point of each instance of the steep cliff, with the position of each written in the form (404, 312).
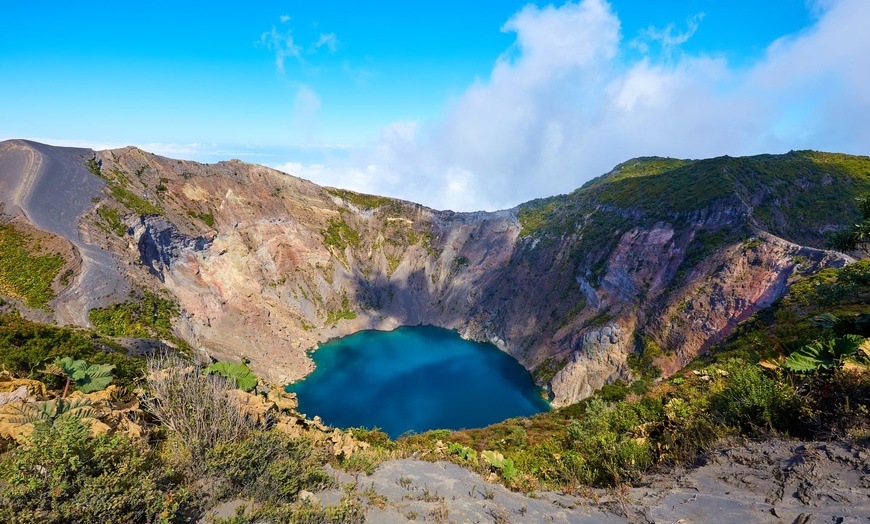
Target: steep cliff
(658, 259)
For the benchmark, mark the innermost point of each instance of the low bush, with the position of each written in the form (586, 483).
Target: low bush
(754, 402)
(195, 409)
(150, 316)
(26, 272)
(65, 475)
(836, 405)
(267, 466)
(348, 511)
(26, 347)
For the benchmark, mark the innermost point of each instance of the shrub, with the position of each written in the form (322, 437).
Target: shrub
(753, 402)
(26, 346)
(838, 405)
(267, 466)
(364, 460)
(348, 511)
(68, 476)
(195, 408)
(150, 316)
(605, 438)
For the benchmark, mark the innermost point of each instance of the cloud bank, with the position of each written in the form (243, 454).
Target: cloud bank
(565, 104)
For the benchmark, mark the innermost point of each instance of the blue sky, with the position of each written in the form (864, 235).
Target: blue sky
(454, 106)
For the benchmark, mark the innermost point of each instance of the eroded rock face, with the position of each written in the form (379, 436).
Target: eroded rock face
(265, 265)
(598, 357)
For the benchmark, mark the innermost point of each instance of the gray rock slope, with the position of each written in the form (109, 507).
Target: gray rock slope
(51, 187)
(777, 481)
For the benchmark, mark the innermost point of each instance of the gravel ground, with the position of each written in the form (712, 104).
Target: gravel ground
(776, 481)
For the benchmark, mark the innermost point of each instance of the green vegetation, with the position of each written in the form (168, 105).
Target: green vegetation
(134, 202)
(827, 355)
(345, 313)
(340, 235)
(239, 374)
(638, 167)
(857, 235)
(26, 347)
(497, 462)
(537, 215)
(199, 447)
(794, 195)
(119, 188)
(87, 378)
(66, 276)
(628, 429)
(207, 218)
(66, 475)
(361, 200)
(95, 167)
(53, 412)
(686, 188)
(150, 316)
(25, 272)
(642, 360)
(268, 466)
(704, 243)
(393, 262)
(112, 217)
(547, 369)
(210, 449)
(799, 368)
(427, 243)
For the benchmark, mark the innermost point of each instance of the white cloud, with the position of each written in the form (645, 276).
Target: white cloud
(360, 75)
(668, 38)
(281, 42)
(284, 45)
(330, 41)
(306, 104)
(563, 105)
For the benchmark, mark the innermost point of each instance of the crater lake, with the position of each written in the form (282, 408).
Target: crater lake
(415, 379)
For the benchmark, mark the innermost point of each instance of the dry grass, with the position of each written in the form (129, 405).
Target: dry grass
(195, 409)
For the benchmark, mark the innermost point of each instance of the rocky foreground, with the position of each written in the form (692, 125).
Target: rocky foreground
(775, 481)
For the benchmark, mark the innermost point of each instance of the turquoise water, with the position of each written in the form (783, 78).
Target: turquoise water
(415, 378)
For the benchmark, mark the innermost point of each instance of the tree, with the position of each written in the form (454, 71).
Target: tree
(857, 236)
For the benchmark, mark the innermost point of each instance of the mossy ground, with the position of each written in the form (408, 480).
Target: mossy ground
(26, 270)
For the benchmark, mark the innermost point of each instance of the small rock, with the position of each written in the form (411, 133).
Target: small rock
(309, 496)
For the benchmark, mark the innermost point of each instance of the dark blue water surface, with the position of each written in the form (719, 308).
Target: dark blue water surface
(415, 378)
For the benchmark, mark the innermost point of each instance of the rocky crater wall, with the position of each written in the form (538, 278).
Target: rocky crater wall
(265, 265)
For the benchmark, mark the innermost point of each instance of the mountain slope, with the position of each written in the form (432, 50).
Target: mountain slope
(660, 258)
